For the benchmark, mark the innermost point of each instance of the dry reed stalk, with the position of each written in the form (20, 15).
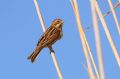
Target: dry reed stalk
(92, 59)
(44, 29)
(115, 6)
(75, 8)
(114, 15)
(90, 53)
(106, 14)
(97, 40)
(85, 67)
(107, 33)
(119, 1)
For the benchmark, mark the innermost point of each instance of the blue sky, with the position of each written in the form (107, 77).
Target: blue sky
(20, 31)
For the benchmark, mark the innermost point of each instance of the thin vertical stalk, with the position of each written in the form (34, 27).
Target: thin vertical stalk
(85, 67)
(119, 1)
(92, 59)
(107, 33)
(106, 14)
(75, 8)
(115, 6)
(44, 29)
(97, 39)
(114, 15)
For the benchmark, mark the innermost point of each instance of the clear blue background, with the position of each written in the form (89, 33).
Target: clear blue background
(20, 31)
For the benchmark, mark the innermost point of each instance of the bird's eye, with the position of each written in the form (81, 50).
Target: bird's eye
(58, 21)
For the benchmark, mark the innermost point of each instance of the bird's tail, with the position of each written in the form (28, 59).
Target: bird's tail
(33, 56)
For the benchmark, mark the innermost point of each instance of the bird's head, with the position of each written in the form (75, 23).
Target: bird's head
(57, 23)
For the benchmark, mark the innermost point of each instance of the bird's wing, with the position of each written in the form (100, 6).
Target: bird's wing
(45, 34)
(51, 37)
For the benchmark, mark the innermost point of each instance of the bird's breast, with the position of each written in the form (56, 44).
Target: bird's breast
(61, 33)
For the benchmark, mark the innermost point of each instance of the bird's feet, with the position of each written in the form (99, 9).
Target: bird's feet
(51, 49)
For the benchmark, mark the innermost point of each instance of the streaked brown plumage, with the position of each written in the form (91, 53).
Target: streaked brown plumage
(52, 34)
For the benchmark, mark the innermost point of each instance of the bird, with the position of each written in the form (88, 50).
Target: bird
(48, 38)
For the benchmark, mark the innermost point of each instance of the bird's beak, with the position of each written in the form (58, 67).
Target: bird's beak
(62, 22)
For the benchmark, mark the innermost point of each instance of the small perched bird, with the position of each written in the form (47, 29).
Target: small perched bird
(49, 37)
